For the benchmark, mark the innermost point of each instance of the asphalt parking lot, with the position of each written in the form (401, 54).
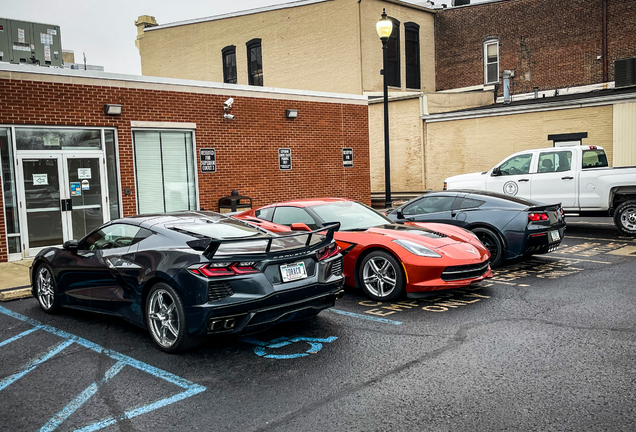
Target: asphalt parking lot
(547, 344)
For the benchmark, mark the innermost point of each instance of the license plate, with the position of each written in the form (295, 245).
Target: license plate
(555, 235)
(292, 272)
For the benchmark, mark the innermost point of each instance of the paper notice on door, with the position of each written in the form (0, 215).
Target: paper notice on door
(86, 185)
(76, 189)
(40, 179)
(84, 173)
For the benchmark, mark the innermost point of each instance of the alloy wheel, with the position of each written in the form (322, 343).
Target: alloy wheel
(163, 318)
(379, 276)
(45, 291)
(628, 218)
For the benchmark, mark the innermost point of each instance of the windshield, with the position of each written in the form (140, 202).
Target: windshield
(351, 215)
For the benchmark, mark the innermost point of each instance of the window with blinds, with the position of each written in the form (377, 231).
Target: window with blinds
(164, 171)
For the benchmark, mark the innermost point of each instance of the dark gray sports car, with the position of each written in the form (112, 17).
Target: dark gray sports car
(186, 275)
(508, 226)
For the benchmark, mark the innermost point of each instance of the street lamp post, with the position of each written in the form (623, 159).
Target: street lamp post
(384, 28)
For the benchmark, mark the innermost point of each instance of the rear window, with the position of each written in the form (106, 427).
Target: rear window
(594, 158)
(468, 203)
(225, 229)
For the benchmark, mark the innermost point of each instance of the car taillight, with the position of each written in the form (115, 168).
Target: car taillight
(537, 216)
(327, 251)
(561, 212)
(218, 269)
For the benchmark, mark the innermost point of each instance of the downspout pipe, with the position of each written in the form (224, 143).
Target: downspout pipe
(605, 59)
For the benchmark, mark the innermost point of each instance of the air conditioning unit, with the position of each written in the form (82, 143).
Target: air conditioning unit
(625, 72)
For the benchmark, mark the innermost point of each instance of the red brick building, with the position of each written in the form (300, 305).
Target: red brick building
(67, 166)
(548, 44)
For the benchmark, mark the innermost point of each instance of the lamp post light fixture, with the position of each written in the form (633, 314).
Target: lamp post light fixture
(384, 28)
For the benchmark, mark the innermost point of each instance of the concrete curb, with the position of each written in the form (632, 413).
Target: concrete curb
(15, 293)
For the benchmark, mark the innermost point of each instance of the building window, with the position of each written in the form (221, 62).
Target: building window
(164, 171)
(491, 61)
(229, 64)
(9, 192)
(412, 54)
(254, 62)
(393, 56)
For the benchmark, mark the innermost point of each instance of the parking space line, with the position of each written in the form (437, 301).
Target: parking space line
(33, 364)
(16, 337)
(366, 317)
(83, 397)
(190, 388)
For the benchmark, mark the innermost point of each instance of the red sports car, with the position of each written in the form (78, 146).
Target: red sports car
(386, 259)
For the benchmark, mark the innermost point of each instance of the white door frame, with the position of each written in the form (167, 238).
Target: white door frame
(62, 157)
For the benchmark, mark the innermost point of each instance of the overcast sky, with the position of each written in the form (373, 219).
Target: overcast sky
(105, 30)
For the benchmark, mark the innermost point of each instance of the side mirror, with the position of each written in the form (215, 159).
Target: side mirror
(299, 227)
(70, 246)
(399, 213)
(496, 172)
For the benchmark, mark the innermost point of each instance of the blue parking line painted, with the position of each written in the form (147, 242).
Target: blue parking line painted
(190, 388)
(16, 337)
(76, 403)
(314, 343)
(142, 410)
(366, 317)
(33, 364)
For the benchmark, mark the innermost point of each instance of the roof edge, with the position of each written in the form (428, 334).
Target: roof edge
(73, 76)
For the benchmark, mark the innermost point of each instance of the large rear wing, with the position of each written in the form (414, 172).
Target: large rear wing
(297, 243)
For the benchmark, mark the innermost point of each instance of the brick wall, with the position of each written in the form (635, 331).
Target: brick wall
(549, 44)
(247, 147)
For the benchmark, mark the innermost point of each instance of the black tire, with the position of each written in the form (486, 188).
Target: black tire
(166, 320)
(493, 243)
(45, 289)
(625, 218)
(377, 269)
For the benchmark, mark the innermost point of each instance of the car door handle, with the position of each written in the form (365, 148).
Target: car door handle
(524, 180)
(567, 178)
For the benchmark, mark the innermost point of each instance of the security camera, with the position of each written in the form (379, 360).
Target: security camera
(227, 105)
(228, 116)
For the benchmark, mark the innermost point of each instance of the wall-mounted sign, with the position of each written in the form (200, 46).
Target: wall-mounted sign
(76, 188)
(86, 185)
(208, 160)
(284, 159)
(40, 179)
(347, 157)
(84, 173)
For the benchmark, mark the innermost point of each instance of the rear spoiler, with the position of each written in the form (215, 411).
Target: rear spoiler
(211, 246)
(545, 207)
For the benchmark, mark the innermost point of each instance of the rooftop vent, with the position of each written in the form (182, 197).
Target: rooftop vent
(625, 72)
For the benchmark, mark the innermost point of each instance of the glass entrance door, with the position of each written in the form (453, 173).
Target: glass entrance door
(86, 209)
(63, 198)
(42, 184)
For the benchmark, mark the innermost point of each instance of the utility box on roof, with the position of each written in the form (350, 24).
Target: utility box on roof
(24, 42)
(5, 53)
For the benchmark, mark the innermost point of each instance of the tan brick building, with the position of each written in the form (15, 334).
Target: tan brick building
(559, 48)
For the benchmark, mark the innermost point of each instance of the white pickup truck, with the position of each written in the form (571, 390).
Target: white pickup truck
(578, 177)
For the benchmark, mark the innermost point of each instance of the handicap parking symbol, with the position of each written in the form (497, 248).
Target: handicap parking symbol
(315, 345)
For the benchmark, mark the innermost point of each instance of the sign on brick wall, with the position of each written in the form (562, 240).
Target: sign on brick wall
(347, 157)
(284, 159)
(208, 160)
